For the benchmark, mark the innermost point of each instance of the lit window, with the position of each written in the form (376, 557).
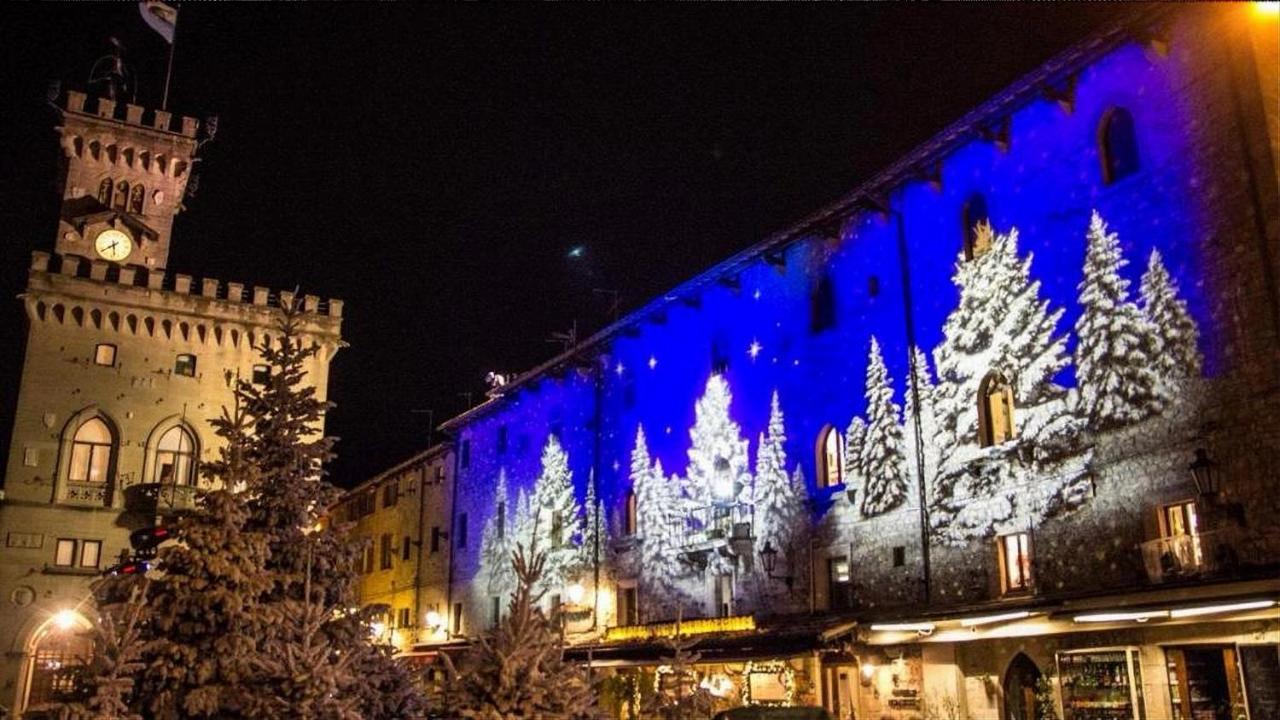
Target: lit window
(995, 411)
(91, 452)
(185, 365)
(1015, 562)
(90, 553)
(261, 374)
(1179, 519)
(1118, 145)
(975, 223)
(104, 354)
(65, 555)
(629, 519)
(175, 457)
(830, 458)
(840, 583)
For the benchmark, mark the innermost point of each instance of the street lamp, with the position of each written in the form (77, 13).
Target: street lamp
(576, 592)
(434, 621)
(65, 619)
(769, 559)
(1204, 472)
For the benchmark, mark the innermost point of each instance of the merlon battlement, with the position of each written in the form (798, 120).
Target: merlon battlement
(158, 280)
(159, 120)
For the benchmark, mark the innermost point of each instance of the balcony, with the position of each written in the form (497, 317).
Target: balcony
(1180, 557)
(161, 498)
(726, 529)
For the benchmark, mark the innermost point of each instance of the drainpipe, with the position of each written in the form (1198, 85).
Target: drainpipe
(453, 509)
(417, 573)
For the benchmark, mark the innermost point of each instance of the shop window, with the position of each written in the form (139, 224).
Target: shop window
(973, 218)
(839, 584)
(104, 354)
(830, 458)
(91, 452)
(261, 374)
(185, 365)
(385, 550)
(1014, 553)
(175, 457)
(629, 514)
(822, 304)
(995, 411)
(1205, 682)
(1118, 145)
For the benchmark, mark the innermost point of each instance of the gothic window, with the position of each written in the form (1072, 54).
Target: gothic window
(1014, 554)
(972, 215)
(104, 354)
(121, 199)
(995, 411)
(136, 199)
(185, 365)
(105, 191)
(91, 452)
(629, 515)
(175, 457)
(822, 304)
(1118, 145)
(58, 652)
(830, 458)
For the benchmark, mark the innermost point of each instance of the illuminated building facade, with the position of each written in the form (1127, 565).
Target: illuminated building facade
(1055, 325)
(125, 364)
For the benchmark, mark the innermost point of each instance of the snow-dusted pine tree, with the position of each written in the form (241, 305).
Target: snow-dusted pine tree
(781, 505)
(592, 528)
(659, 526)
(854, 438)
(718, 469)
(1168, 313)
(497, 543)
(1117, 348)
(1001, 333)
(920, 384)
(883, 461)
(517, 669)
(557, 517)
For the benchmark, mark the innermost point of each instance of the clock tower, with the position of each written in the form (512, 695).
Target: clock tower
(125, 364)
(127, 170)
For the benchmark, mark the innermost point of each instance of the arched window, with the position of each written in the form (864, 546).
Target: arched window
(58, 651)
(122, 195)
(105, 190)
(830, 458)
(629, 515)
(136, 199)
(175, 457)
(91, 452)
(995, 410)
(1118, 145)
(972, 216)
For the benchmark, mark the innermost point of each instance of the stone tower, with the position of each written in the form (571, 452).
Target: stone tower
(125, 365)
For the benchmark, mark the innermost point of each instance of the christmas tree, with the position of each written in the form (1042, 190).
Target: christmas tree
(517, 669)
(1117, 348)
(556, 517)
(718, 466)
(920, 386)
(854, 437)
(497, 543)
(659, 525)
(1002, 332)
(882, 457)
(1168, 313)
(781, 503)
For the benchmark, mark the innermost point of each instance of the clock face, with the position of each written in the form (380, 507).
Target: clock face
(113, 245)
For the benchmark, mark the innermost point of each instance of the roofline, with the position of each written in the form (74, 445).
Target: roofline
(869, 195)
(437, 449)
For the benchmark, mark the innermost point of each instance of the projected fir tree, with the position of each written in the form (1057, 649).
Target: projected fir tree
(781, 503)
(854, 438)
(1117, 348)
(1002, 332)
(1168, 313)
(497, 543)
(718, 468)
(556, 526)
(659, 523)
(882, 459)
(920, 385)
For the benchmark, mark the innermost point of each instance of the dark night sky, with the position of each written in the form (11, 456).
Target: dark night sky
(432, 165)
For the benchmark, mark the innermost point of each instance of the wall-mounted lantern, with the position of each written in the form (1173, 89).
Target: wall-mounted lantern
(1204, 472)
(769, 559)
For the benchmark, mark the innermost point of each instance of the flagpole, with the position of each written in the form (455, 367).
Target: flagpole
(168, 71)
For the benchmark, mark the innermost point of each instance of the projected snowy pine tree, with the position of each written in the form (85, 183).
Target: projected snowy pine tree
(497, 544)
(1168, 313)
(659, 520)
(920, 384)
(781, 506)
(1002, 333)
(854, 437)
(556, 518)
(1117, 348)
(718, 469)
(883, 462)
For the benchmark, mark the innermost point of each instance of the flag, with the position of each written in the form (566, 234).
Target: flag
(161, 16)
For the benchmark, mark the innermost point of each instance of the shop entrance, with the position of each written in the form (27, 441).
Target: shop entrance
(1020, 689)
(839, 683)
(1204, 683)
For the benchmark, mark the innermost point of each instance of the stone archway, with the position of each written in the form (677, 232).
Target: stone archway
(1020, 689)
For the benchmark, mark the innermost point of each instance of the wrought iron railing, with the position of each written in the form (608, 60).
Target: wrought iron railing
(714, 524)
(1182, 556)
